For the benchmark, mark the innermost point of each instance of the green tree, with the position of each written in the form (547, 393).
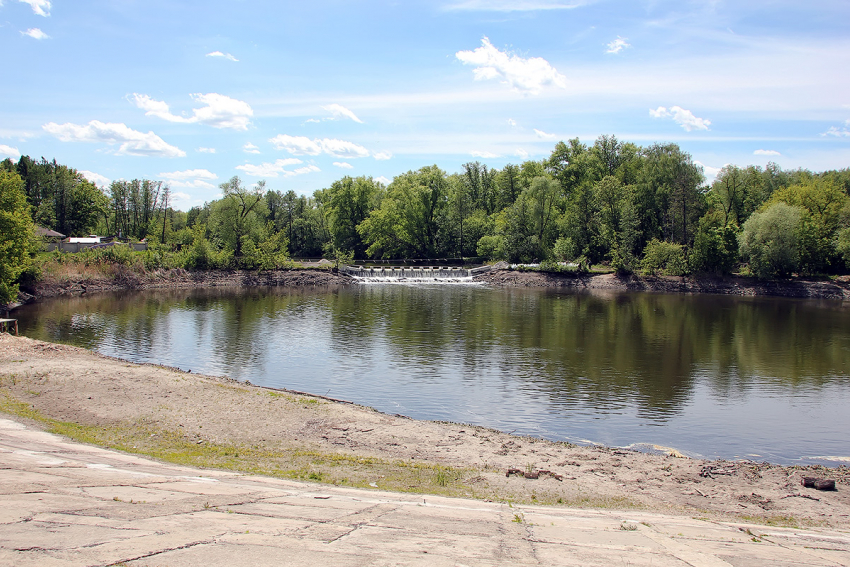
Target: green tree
(411, 217)
(17, 229)
(347, 203)
(237, 216)
(770, 240)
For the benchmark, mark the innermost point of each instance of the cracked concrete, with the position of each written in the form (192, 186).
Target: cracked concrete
(63, 503)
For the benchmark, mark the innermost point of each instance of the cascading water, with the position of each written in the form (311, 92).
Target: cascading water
(411, 274)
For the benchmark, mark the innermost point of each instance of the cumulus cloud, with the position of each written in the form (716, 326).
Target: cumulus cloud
(523, 75)
(682, 117)
(40, 7)
(130, 142)
(617, 45)
(543, 135)
(766, 153)
(206, 150)
(339, 111)
(521, 154)
(227, 56)
(96, 178)
(276, 168)
(710, 172)
(511, 122)
(35, 33)
(513, 5)
(9, 151)
(383, 180)
(483, 155)
(383, 156)
(250, 148)
(343, 165)
(301, 145)
(220, 111)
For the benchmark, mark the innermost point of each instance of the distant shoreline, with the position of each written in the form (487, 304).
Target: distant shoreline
(835, 289)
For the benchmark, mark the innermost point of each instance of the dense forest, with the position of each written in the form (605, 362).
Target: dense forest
(634, 208)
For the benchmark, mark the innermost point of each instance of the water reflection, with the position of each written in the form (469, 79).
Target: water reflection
(685, 371)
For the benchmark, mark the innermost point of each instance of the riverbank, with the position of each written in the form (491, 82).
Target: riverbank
(838, 288)
(78, 283)
(214, 422)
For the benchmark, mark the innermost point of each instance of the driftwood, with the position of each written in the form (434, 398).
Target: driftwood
(533, 475)
(818, 483)
(709, 471)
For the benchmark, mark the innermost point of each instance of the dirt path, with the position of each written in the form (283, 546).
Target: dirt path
(215, 422)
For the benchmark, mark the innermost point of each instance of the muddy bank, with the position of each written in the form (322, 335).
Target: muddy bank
(182, 279)
(217, 422)
(800, 288)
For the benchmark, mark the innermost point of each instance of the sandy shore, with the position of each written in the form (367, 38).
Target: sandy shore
(219, 423)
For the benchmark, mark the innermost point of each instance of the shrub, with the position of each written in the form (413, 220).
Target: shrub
(664, 257)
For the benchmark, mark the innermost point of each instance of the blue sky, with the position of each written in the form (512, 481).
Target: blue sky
(302, 93)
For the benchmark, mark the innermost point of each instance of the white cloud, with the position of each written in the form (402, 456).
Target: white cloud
(837, 132)
(40, 7)
(296, 145)
(206, 150)
(511, 122)
(312, 121)
(682, 117)
(618, 45)
(306, 169)
(130, 142)
(250, 148)
(339, 111)
(382, 179)
(220, 111)
(96, 178)
(227, 56)
(343, 149)
(35, 33)
(301, 145)
(710, 172)
(189, 174)
(484, 155)
(514, 5)
(274, 169)
(524, 75)
(9, 151)
(191, 184)
(383, 156)
(543, 135)
(343, 165)
(766, 153)
(521, 154)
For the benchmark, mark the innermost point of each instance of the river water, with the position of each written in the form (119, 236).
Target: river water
(712, 376)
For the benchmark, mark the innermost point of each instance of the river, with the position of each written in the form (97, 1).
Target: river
(711, 376)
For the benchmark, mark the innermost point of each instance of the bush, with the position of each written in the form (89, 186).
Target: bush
(491, 247)
(770, 240)
(664, 257)
(842, 245)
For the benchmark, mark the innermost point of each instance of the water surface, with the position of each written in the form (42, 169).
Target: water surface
(712, 376)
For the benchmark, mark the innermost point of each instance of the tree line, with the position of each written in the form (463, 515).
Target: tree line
(636, 208)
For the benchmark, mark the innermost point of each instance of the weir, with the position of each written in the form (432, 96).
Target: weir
(423, 274)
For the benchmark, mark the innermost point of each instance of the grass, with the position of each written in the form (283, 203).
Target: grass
(291, 463)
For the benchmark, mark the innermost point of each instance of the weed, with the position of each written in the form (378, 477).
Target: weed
(628, 527)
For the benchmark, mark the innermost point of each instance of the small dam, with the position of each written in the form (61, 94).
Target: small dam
(413, 274)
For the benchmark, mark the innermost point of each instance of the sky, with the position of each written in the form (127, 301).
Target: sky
(303, 93)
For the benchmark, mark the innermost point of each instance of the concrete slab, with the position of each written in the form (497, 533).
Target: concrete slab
(100, 507)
